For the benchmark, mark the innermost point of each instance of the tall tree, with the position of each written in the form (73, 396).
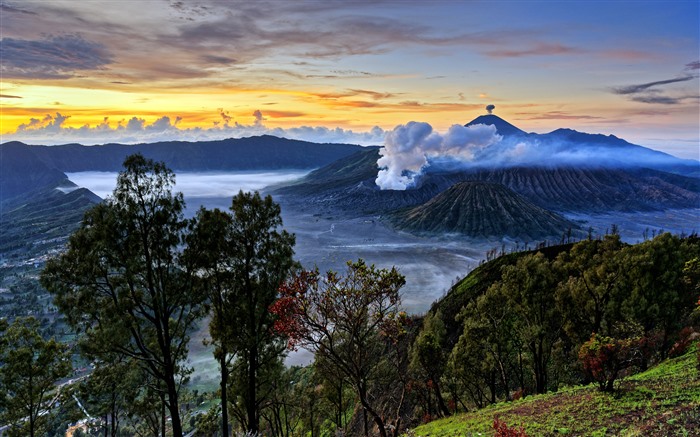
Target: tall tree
(30, 368)
(121, 281)
(253, 257)
(428, 356)
(210, 249)
(347, 321)
(585, 299)
(653, 292)
(529, 288)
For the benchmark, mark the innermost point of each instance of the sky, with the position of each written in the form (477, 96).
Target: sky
(95, 71)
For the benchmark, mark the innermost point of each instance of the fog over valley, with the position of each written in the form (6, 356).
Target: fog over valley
(327, 240)
(430, 265)
(194, 184)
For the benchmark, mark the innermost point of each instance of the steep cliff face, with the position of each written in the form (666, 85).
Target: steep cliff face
(481, 209)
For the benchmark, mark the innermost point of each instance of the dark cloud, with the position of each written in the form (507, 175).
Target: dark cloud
(314, 30)
(653, 92)
(283, 114)
(538, 50)
(557, 115)
(119, 82)
(6, 7)
(258, 117)
(7, 96)
(663, 100)
(213, 59)
(225, 116)
(54, 57)
(695, 65)
(373, 94)
(634, 89)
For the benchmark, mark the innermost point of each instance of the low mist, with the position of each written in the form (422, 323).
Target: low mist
(194, 184)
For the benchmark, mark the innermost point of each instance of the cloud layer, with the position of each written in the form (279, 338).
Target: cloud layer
(51, 130)
(54, 57)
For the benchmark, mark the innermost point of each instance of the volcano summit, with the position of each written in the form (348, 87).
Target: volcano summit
(562, 172)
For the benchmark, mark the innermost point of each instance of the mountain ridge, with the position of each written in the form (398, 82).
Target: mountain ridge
(250, 153)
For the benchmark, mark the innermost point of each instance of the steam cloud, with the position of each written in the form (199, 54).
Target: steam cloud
(413, 149)
(409, 148)
(490, 108)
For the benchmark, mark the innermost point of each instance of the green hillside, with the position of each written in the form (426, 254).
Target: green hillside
(663, 401)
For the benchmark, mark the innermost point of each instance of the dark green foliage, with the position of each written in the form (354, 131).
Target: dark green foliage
(653, 292)
(30, 367)
(587, 297)
(122, 284)
(243, 257)
(113, 391)
(523, 326)
(429, 359)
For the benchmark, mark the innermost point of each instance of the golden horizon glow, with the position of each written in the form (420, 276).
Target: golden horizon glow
(300, 67)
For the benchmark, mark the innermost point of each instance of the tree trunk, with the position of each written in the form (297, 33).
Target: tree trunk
(251, 410)
(224, 397)
(173, 407)
(441, 402)
(377, 419)
(162, 415)
(364, 420)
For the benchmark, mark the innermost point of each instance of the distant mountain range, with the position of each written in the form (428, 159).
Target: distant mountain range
(38, 203)
(567, 146)
(600, 174)
(26, 168)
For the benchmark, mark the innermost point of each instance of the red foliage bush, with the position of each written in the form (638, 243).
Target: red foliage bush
(685, 338)
(503, 430)
(518, 394)
(603, 358)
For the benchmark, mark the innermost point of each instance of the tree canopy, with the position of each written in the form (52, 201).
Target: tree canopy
(121, 282)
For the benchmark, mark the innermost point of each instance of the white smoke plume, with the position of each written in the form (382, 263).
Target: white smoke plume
(410, 148)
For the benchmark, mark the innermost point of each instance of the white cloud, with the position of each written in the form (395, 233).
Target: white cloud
(51, 130)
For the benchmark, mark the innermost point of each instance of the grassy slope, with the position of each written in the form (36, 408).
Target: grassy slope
(664, 400)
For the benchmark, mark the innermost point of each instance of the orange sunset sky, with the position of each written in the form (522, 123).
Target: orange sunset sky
(97, 71)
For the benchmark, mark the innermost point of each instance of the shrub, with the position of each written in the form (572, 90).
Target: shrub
(685, 339)
(603, 358)
(503, 430)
